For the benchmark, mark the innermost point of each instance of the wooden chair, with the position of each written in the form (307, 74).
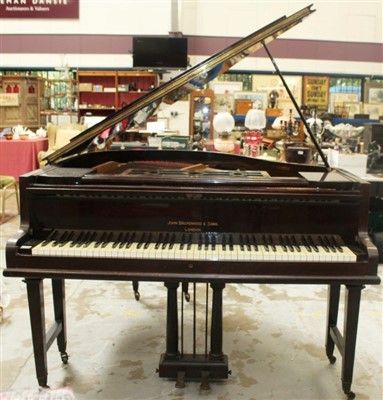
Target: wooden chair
(7, 183)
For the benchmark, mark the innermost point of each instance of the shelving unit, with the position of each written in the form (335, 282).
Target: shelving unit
(103, 92)
(201, 113)
(59, 101)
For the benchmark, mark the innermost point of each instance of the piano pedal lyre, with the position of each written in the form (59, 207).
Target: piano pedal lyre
(206, 365)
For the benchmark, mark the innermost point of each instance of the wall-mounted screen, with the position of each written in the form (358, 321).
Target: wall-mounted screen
(159, 52)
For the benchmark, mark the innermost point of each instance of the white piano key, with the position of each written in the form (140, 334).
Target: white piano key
(330, 250)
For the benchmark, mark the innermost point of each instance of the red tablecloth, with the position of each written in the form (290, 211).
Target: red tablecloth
(18, 157)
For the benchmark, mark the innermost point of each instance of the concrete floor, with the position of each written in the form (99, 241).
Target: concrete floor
(273, 335)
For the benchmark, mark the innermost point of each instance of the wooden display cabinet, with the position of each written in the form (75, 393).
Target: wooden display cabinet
(103, 92)
(58, 103)
(20, 101)
(96, 93)
(202, 113)
(132, 85)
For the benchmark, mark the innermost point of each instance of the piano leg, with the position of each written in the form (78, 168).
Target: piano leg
(346, 344)
(352, 303)
(332, 319)
(58, 289)
(35, 293)
(135, 285)
(41, 339)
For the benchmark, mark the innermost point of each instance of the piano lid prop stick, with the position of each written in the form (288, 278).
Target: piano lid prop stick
(313, 138)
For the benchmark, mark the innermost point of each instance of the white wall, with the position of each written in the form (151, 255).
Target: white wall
(109, 17)
(341, 20)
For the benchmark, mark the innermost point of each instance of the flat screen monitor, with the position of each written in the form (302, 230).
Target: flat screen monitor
(159, 52)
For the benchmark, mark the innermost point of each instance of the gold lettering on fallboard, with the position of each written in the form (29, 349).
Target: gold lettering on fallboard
(193, 226)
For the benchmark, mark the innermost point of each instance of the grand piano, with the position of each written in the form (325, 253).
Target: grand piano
(150, 215)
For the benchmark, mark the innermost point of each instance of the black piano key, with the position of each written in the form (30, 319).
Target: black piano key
(306, 244)
(336, 244)
(148, 240)
(159, 242)
(119, 240)
(141, 241)
(78, 239)
(231, 243)
(189, 242)
(224, 242)
(89, 239)
(172, 241)
(68, 237)
(241, 243)
(247, 242)
(200, 242)
(213, 242)
(329, 244)
(271, 240)
(107, 240)
(323, 244)
(165, 241)
(101, 240)
(130, 240)
(59, 239)
(288, 243)
(183, 241)
(283, 243)
(265, 243)
(254, 242)
(295, 244)
(206, 241)
(312, 244)
(51, 236)
(124, 240)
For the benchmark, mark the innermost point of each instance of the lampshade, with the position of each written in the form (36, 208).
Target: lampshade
(315, 124)
(223, 121)
(255, 119)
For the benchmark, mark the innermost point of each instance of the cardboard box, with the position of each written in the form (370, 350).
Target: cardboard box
(123, 88)
(273, 112)
(243, 106)
(85, 87)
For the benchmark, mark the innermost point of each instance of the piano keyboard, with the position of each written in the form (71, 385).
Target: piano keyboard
(195, 246)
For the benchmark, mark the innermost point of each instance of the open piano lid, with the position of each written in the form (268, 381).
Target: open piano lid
(192, 79)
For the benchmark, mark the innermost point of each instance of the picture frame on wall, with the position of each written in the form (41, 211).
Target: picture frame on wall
(338, 99)
(253, 96)
(373, 93)
(374, 110)
(375, 96)
(353, 107)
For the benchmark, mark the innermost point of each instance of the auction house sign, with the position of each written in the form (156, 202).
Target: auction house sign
(39, 8)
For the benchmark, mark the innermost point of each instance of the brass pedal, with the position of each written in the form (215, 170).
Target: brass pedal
(180, 383)
(205, 385)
